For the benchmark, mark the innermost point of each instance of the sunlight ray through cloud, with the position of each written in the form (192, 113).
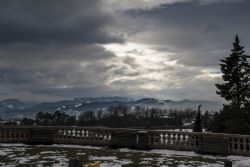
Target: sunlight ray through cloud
(149, 62)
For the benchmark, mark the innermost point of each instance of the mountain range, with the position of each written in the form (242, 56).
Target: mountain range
(14, 108)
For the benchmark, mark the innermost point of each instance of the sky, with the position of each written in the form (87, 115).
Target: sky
(169, 49)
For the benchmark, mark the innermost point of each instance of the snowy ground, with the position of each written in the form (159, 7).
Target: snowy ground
(21, 155)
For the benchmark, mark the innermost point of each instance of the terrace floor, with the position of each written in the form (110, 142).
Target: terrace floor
(20, 155)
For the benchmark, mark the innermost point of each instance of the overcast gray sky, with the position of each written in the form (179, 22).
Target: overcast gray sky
(168, 49)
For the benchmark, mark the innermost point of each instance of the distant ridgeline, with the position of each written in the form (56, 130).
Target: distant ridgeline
(13, 108)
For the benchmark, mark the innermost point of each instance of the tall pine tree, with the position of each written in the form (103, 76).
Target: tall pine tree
(236, 76)
(197, 124)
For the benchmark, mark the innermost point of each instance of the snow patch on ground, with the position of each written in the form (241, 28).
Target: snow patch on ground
(110, 161)
(12, 144)
(242, 163)
(116, 163)
(111, 158)
(48, 152)
(3, 153)
(59, 155)
(25, 160)
(171, 153)
(75, 146)
(210, 165)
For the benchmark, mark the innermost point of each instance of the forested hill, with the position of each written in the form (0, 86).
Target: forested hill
(13, 108)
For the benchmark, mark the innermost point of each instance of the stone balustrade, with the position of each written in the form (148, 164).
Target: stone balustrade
(14, 134)
(239, 144)
(190, 141)
(83, 136)
(152, 139)
(185, 141)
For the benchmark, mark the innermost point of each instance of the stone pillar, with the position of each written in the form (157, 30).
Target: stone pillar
(142, 140)
(214, 144)
(123, 139)
(42, 135)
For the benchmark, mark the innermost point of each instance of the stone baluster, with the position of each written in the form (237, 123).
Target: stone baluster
(188, 141)
(153, 138)
(10, 135)
(241, 145)
(231, 145)
(87, 134)
(73, 132)
(22, 135)
(100, 137)
(26, 136)
(164, 139)
(105, 137)
(178, 139)
(109, 136)
(90, 135)
(59, 133)
(95, 136)
(236, 144)
(65, 133)
(244, 145)
(174, 138)
(7, 135)
(247, 145)
(161, 138)
(13, 135)
(192, 141)
(62, 133)
(80, 133)
(4, 135)
(17, 135)
(68, 133)
(168, 139)
(182, 139)
(157, 138)
(84, 134)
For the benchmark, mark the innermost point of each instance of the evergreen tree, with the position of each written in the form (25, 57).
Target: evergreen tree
(234, 118)
(197, 124)
(236, 75)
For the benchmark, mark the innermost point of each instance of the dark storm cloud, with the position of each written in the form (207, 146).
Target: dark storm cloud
(199, 33)
(50, 46)
(52, 50)
(52, 21)
(33, 65)
(39, 53)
